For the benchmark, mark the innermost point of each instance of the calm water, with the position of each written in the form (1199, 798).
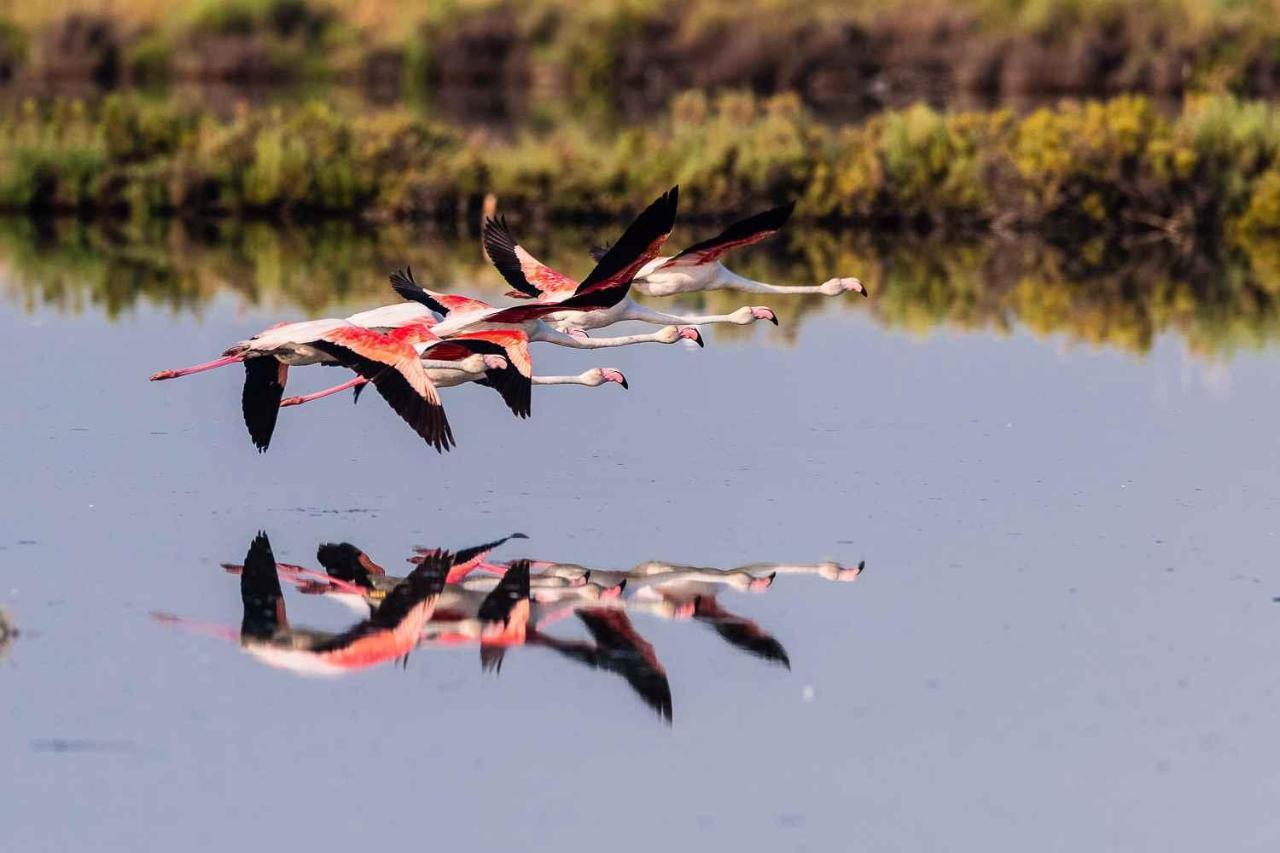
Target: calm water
(1065, 486)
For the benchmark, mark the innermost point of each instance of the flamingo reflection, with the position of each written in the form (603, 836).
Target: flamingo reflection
(463, 598)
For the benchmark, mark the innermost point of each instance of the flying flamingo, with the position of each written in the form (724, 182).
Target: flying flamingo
(698, 267)
(531, 278)
(388, 360)
(391, 632)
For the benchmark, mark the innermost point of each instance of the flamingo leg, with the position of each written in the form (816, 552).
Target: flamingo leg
(196, 368)
(209, 629)
(307, 398)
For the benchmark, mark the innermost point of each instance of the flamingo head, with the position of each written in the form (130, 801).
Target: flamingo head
(690, 333)
(601, 375)
(837, 572)
(748, 314)
(836, 286)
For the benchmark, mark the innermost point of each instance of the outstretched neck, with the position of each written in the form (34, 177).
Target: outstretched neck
(579, 379)
(727, 278)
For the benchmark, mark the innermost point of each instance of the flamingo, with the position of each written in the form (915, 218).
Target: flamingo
(531, 278)
(698, 267)
(391, 632)
(388, 360)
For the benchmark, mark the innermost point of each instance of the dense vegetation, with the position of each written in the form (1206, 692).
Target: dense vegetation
(1087, 294)
(1119, 168)
(824, 49)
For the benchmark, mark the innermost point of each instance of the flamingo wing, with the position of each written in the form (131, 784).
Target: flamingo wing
(260, 594)
(264, 380)
(515, 381)
(381, 636)
(395, 371)
(425, 582)
(608, 283)
(638, 245)
(628, 654)
(403, 282)
(744, 232)
(467, 558)
(740, 632)
(513, 588)
(531, 278)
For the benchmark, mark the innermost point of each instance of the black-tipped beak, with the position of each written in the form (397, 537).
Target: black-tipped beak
(698, 339)
(624, 383)
(774, 319)
(865, 292)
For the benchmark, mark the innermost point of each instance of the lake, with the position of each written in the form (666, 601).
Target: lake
(1061, 468)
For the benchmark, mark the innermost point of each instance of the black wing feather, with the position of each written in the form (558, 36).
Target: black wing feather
(264, 379)
(611, 629)
(403, 282)
(515, 388)
(654, 221)
(513, 588)
(500, 246)
(745, 634)
(260, 591)
(425, 581)
(427, 421)
(466, 555)
(744, 229)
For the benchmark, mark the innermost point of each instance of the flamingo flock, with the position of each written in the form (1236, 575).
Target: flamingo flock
(460, 599)
(430, 340)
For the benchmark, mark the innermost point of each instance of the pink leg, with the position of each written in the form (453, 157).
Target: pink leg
(209, 629)
(307, 398)
(197, 368)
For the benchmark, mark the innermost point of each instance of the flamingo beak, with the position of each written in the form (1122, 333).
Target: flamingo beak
(691, 333)
(855, 284)
(760, 312)
(611, 375)
(761, 584)
(847, 575)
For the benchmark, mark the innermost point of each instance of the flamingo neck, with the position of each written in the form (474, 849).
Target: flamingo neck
(727, 278)
(580, 379)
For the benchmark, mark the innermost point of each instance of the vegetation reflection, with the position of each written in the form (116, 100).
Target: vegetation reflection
(1095, 295)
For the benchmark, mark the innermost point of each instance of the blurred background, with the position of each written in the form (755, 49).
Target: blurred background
(1105, 168)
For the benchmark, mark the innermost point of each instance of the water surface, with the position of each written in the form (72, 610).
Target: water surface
(1064, 638)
